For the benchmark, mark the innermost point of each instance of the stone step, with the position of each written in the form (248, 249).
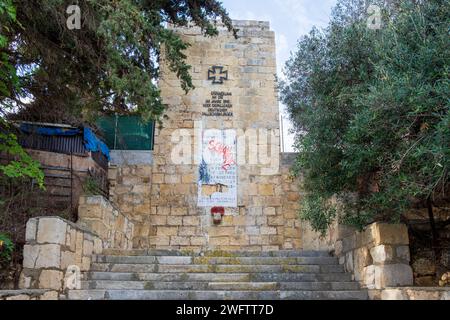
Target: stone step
(215, 295)
(219, 277)
(236, 268)
(216, 260)
(153, 252)
(204, 285)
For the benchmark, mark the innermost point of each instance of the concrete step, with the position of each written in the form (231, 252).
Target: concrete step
(216, 260)
(214, 295)
(205, 285)
(153, 252)
(236, 268)
(219, 277)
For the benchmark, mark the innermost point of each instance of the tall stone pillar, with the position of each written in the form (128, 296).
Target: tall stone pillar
(235, 93)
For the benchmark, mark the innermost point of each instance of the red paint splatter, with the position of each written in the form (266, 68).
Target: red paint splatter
(223, 150)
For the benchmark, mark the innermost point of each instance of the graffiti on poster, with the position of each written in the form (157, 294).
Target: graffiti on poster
(217, 173)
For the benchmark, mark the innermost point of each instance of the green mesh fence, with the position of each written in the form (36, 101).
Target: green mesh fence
(127, 132)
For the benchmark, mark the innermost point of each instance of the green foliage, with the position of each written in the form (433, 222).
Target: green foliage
(371, 111)
(8, 76)
(22, 165)
(6, 248)
(91, 187)
(110, 64)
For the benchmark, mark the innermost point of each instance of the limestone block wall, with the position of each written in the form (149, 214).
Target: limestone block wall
(378, 256)
(29, 294)
(257, 223)
(52, 246)
(56, 249)
(97, 214)
(412, 293)
(130, 191)
(298, 234)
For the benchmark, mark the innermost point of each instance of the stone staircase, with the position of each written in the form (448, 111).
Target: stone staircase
(173, 275)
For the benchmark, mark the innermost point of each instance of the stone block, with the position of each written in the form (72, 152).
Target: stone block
(158, 178)
(364, 238)
(393, 275)
(71, 238)
(88, 248)
(175, 220)
(275, 221)
(445, 295)
(41, 256)
(217, 231)
(368, 279)
(159, 240)
(24, 281)
(158, 220)
(392, 234)
(90, 212)
(362, 259)
(51, 230)
(179, 241)
(95, 200)
(338, 248)
(167, 231)
(191, 221)
(270, 211)
(424, 294)
(79, 242)
(67, 259)
(268, 230)
(219, 241)
(51, 279)
(349, 261)
(348, 243)
(98, 246)
(178, 211)
(19, 297)
(198, 241)
(262, 221)
(293, 196)
(393, 294)
(50, 295)
(382, 254)
(31, 228)
(265, 190)
(85, 264)
(144, 171)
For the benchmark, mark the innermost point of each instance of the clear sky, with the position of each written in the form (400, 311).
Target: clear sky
(290, 19)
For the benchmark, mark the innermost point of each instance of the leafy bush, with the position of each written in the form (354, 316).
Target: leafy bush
(6, 248)
(371, 112)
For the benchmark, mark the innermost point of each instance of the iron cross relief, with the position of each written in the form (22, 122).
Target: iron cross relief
(217, 75)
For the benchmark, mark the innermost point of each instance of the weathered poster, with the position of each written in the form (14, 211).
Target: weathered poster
(217, 178)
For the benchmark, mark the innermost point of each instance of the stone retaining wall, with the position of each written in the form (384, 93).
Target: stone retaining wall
(52, 245)
(30, 294)
(378, 256)
(98, 215)
(411, 293)
(130, 191)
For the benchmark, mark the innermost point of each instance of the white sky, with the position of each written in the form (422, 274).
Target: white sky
(290, 19)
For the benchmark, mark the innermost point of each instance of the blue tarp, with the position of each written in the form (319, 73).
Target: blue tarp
(91, 142)
(94, 144)
(48, 131)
